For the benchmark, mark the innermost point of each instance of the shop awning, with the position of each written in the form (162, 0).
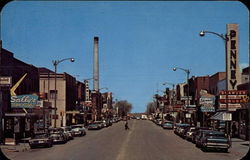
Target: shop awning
(18, 114)
(222, 116)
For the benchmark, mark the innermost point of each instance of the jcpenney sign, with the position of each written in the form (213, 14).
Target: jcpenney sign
(24, 101)
(232, 62)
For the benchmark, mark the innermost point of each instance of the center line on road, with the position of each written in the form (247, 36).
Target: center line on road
(122, 151)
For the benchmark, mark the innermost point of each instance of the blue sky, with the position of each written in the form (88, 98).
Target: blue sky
(139, 42)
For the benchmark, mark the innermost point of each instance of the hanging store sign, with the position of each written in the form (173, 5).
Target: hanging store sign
(232, 57)
(232, 99)
(230, 107)
(207, 100)
(5, 81)
(24, 101)
(234, 96)
(185, 98)
(207, 109)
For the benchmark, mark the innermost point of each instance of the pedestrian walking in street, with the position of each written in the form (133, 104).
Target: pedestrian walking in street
(126, 125)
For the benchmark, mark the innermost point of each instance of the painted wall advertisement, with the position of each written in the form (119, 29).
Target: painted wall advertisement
(24, 101)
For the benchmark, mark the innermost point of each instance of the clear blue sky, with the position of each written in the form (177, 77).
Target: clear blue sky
(140, 42)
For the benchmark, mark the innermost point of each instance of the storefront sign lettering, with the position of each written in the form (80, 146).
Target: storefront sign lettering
(233, 73)
(24, 101)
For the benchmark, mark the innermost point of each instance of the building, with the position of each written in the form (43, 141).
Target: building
(243, 113)
(19, 119)
(213, 82)
(107, 106)
(66, 96)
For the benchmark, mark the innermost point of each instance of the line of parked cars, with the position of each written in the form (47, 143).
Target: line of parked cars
(205, 138)
(164, 124)
(57, 136)
(63, 134)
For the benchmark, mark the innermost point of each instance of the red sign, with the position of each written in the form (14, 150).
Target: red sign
(234, 92)
(233, 96)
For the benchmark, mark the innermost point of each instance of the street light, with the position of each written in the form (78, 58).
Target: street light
(55, 63)
(187, 72)
(225, 39)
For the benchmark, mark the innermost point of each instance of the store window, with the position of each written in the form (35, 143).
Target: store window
(53, 94)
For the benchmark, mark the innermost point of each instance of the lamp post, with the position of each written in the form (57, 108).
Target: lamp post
(224, 37)
(187, 72)
(55, 63)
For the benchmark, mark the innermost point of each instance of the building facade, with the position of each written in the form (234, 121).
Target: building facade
(18, 120)
(65, 95)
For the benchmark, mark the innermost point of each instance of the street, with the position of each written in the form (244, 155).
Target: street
(143, 141)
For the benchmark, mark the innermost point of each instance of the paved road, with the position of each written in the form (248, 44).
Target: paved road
(144, 141)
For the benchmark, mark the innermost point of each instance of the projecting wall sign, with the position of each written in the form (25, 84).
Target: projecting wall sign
(232, 57)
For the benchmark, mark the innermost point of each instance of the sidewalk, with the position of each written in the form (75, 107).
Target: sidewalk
(239, 147)
(21, 147)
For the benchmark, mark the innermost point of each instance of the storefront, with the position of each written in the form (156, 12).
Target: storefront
(242, 124)
(18, 126)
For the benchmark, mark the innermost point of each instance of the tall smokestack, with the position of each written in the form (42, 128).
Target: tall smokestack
(96, 64)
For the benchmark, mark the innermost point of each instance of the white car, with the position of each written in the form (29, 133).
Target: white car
(79, 130)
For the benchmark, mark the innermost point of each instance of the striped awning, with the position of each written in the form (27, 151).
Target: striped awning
(222, 116)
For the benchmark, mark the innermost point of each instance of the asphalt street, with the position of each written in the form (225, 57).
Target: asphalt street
(143, 141)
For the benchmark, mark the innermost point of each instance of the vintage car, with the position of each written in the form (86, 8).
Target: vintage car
(79, 130)
(168, 125)
(67, 130)
(180, 127)
(41, 140)
(57, 135)
(196, 132)
(214, 140)
(94, 126)
(189, 133)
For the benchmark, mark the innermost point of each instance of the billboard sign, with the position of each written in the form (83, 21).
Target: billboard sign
(24, 101)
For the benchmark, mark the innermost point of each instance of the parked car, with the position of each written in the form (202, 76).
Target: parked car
(214, 140)
(68, 131)
(107, 123)
(189, 133)
(180, 127)
(168, 125)
(41, 140)
(79, 130)
(196, 132)
(100, 123)
(159, 122)
(198, 137)
(94, 126)
(57, 135)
